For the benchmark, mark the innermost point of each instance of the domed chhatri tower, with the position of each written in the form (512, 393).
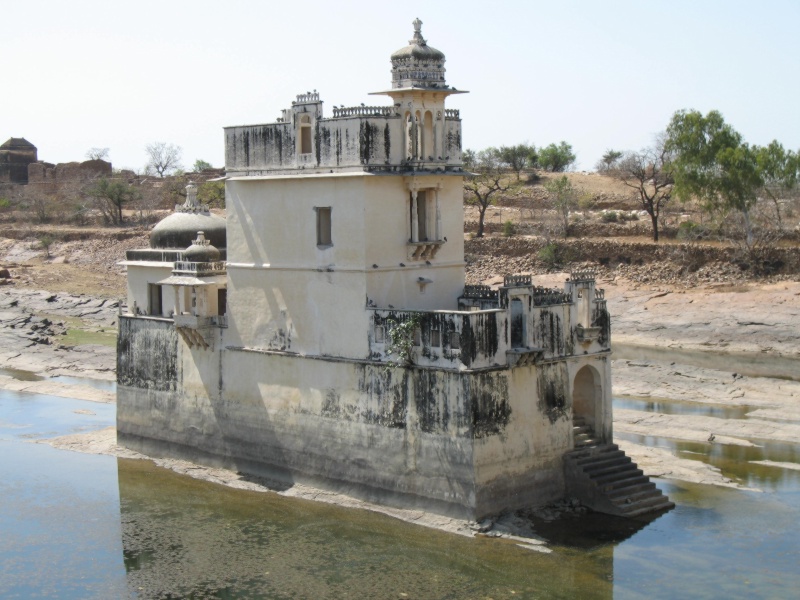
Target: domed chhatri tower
(182, 274)
(324, 334)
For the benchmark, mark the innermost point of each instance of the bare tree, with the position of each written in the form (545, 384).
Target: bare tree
(649, 172)
(488, 180)
(163, 158)
(97, 154)
(564, 197)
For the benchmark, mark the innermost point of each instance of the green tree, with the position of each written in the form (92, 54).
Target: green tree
(518, 157)
(469, 158)
(608, 161)
(564, 198)
(780, 170)
(111, 196)
(481, 188)
(556, 158)
(201, 165)
(713, 164)
(649, 173)
(212, 193)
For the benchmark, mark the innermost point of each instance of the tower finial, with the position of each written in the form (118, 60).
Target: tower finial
(417, 39)
(191, 196)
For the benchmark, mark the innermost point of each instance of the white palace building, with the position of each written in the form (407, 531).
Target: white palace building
(322, 333)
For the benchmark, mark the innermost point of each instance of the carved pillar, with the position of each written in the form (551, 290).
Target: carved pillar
(414, 217)
(438, 216)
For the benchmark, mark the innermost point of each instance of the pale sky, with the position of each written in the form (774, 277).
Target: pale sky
(599, 74)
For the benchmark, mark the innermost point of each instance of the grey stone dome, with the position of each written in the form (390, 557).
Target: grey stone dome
(418, 52)
(418, 65)
(178, 230)
(201, 250)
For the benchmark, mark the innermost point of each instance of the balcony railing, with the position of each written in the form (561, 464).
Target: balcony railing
(184, 267)
(363, 111)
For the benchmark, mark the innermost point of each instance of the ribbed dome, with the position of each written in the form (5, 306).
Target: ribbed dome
(178, 230)
(419, 52)
(201, 250)
(418, 65)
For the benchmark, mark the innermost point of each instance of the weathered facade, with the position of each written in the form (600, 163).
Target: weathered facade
(15, 156)
(324, 334)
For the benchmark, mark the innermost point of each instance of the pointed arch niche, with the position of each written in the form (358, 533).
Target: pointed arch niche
(587, 395)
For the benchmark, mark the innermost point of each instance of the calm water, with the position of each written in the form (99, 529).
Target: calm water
(83, 526)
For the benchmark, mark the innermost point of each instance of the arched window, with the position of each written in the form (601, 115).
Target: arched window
(305, 134)
(428, 150)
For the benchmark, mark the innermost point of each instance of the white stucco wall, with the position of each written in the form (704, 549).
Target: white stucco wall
(139, 276)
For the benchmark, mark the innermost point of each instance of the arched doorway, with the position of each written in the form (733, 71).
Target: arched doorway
(587, 393)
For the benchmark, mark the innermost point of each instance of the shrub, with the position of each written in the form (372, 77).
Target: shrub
(45, 241)
(689, 230)
(610, 217)
(554, 255)
(509, 228)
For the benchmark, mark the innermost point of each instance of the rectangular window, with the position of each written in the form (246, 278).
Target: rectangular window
(155, 299)
(455, 340)
(305, 140)
(417, 337)
(436, 338)
(324, 226)
(380, 334)
(222, 301)
(422, 217)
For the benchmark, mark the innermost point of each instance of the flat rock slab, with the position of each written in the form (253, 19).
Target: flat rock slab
(688, 383)
(55, 388)
(756, 318)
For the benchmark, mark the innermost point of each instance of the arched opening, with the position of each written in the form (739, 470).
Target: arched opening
(517, 324)
(305, 134)
(410, 137)
(421, 135)
(587, 392)
(427, 149)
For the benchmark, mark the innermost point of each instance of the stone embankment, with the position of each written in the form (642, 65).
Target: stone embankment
(666, 263)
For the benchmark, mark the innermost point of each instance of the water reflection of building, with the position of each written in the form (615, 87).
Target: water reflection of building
(323, 334)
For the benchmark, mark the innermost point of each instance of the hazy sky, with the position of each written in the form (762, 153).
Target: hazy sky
(598, 74)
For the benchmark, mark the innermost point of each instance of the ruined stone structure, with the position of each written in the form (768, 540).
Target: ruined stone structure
(323, 334)
(15, 156)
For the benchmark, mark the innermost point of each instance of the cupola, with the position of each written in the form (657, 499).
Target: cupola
(178, 230)
(418, 65)
(201, 250)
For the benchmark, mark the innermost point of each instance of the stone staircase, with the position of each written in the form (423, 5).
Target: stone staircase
(606, 480)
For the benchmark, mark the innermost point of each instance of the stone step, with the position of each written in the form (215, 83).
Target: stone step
(615, 477)
(614, 467)
(580, 454)
(609, 480)
(637, 497)
(601, 462)
(619, 484)
(607, 455)
(630, 489)
(648, 506)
